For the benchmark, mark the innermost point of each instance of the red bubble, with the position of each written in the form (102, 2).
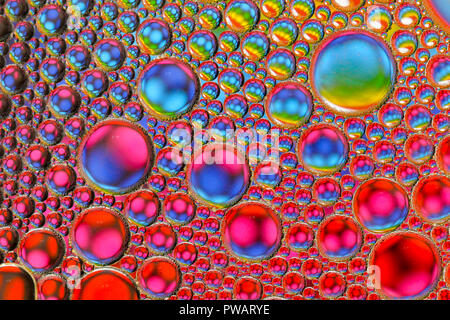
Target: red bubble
(41, 250)
(431, 198)
(407, 265)
(52, 287)
(380, 205)
(16, 283)
(247, 288)
(159, 277)
(339, 237)
(332, 284)
(100, 235)
(105, 284)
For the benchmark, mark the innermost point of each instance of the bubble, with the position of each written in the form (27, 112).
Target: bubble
(109, 54)
(417, 118)
(378, 18)
(236, 106)
(13, 79)
(408, 16)
(332, 284)
(209, 17)
(408, 265)
(19, 52)
(78, 57)
(407, 174)
(322, 149)
(312, 31)
(431, 198)
(142, 207)
(358, 82)
(289, 104)
(106, 284)
(300, 236)
(154, 36)
(41, 250)
(116, 156)
(404, 42)
(302, 10)
(185, 252)
(161, 95)
(268, 174)
(228, 41)
(231, 80)
(438, 71)
(241, 15)
(159, 277)
(202, 44)
(179, 208)
(255, 45)
(281, 64)
(160, 238)
(380, 205)
(254, 90)
(248, 288)
(94, 83)
(51, 20)
(218, 175)
(283, 32)
(272, 8)
(16, 283)
(64, 101)
(100, 235)
(61, 179)
(339, 237)
(326, 191)
(443, 155)
(418, 148)
(9, 238)
(251, 231)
